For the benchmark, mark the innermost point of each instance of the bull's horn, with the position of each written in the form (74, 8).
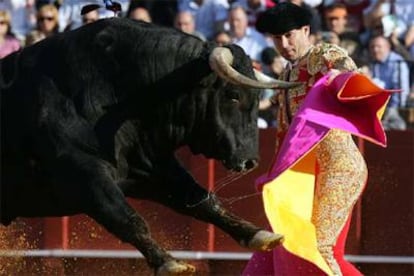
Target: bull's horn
(267, 79)
(221, 60)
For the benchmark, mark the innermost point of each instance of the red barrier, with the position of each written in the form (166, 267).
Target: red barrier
(383, 221)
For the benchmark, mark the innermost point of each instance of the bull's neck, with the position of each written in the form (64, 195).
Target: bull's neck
(178, 121)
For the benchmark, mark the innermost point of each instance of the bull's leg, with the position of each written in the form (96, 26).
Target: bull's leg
(178, 190)
(90, 187)
(136, 232)
(210, 209)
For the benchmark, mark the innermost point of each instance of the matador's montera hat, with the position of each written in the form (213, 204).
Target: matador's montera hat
(283, 18)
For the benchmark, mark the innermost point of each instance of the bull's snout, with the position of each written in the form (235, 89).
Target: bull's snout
(241, 166)
(249, 164)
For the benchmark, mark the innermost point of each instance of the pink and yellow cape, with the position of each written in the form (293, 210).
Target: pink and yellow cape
(352, 103)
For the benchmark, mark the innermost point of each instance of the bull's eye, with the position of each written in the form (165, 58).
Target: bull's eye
(233, 96)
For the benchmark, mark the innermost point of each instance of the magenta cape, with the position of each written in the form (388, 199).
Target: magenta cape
(351, 102)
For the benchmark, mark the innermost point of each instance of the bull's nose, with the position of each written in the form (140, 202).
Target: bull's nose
(250, 164)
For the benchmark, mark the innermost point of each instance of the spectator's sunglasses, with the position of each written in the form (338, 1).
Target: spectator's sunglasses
(46, 18)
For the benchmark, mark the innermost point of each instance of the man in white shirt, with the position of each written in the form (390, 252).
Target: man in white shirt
(246, 37)
(253, 8)
(210, 15)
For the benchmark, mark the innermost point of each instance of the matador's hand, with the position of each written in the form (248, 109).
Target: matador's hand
(332, 74)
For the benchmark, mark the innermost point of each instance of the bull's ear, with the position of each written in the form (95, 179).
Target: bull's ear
(106, 40)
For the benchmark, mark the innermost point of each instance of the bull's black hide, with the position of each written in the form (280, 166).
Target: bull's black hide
(92, 116)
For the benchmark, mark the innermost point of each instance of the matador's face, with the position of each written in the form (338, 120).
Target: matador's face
(294, 44)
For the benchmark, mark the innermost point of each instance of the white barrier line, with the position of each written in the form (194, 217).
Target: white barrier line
(191, 255)
(380, 259)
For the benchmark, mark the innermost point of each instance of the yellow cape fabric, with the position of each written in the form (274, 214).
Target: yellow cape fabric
(288, 203)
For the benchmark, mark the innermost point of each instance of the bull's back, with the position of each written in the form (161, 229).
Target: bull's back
(51, 74)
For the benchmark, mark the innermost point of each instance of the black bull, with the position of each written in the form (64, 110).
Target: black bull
(92, 116)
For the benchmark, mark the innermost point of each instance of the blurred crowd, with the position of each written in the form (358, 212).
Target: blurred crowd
(378, 34)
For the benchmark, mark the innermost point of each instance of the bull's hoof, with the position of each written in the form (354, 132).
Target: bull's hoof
(265, 241)
(175, 268)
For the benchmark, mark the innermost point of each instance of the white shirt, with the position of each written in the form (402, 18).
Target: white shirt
(252, 43)
(251, 13)
(207, 15)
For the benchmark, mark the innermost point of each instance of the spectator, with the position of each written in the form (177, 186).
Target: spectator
(253, 8)
(161, 12)
(273, 66)
(90, 13)
(47, 24)
(355, 9)
(246, 37)
(409, 41)
(184, 21)
(23, 16)
(40, 3)
(210, 15)
(139, 13)
(336, 20)
(393, 16)
(398, 46)
(222, 38)
(274, 63)
(8, 42)
(402, 9)
(392, 70)
(70, 12)
(364, 68)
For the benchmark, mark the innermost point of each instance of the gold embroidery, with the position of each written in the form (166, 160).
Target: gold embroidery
(341, 179)
(311, 81)
(342, 169)
(294, 74)
(320, 59)
(325, 56)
